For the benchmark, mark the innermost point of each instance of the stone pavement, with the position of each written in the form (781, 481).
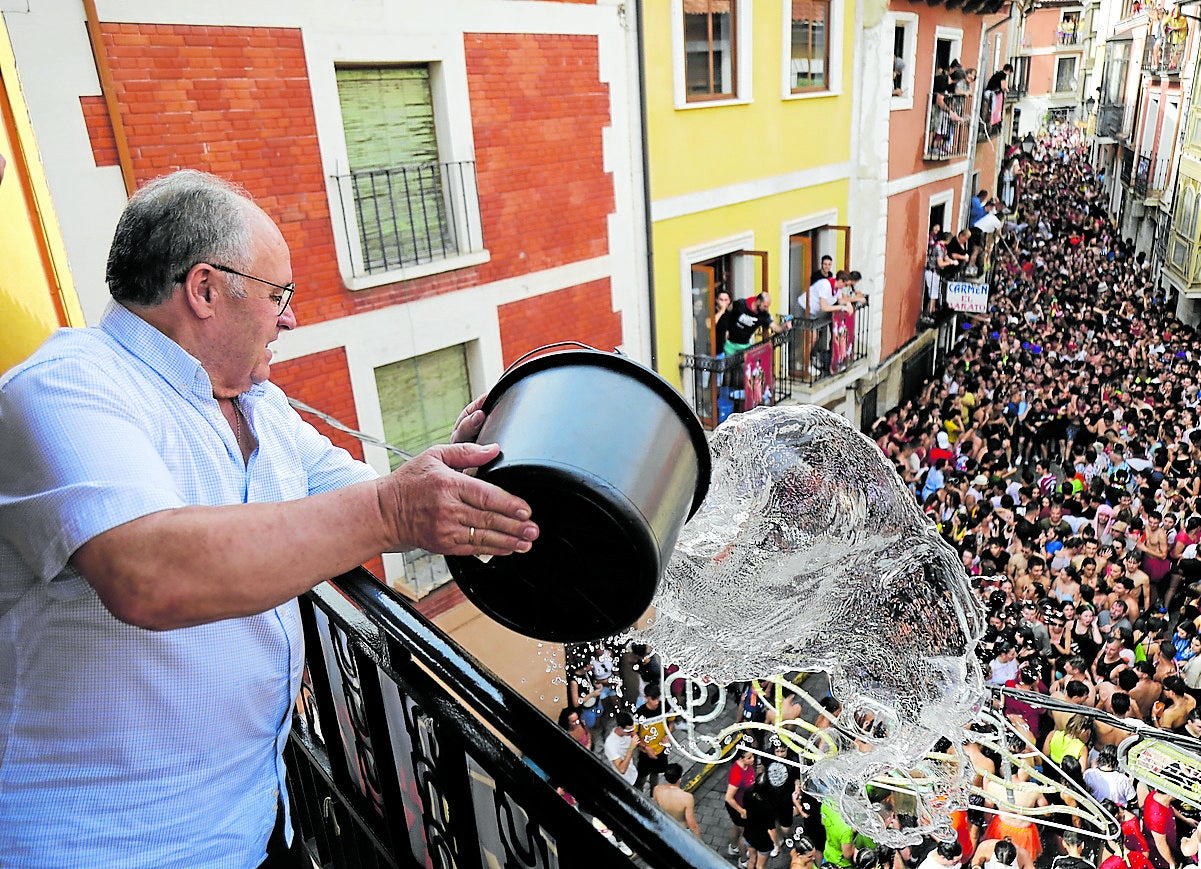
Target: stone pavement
(707, 783)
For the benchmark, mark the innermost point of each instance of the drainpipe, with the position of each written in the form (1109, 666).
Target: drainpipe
(646, 190)
(109, 90)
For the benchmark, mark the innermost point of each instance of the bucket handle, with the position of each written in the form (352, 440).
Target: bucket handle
(544, 347)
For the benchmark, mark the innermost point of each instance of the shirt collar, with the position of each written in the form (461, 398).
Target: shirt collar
(179, 368)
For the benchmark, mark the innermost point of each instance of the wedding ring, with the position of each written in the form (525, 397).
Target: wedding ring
(471, 538)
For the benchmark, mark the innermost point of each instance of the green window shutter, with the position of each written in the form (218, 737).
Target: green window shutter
(420, 398)
(388, 116)
(396, 182)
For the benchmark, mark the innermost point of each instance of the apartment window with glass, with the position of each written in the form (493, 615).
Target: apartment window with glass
(709, 50)
(1065, 74)
(810, 45)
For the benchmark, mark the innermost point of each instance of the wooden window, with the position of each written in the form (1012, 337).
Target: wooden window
(396, 181)
(420, 398)
(810, 46)
(710, 58)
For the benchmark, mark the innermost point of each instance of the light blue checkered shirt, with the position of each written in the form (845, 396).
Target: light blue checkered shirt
(121, 746)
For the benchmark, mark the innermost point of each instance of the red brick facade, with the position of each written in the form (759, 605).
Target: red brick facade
(100, 131)
(236, 101)
(538, 111)
(581, 313)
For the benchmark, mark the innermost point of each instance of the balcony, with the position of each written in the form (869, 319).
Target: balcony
(1150, 175)
(992, 110)
(406, 752)
(1066, 34)
(402, 217)
(946, 129)
(1110, 119)
(814, 352)
(1165, 56)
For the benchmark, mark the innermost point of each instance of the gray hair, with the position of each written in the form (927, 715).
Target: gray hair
(171, 224)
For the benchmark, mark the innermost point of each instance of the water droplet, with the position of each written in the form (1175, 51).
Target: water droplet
(523, 680)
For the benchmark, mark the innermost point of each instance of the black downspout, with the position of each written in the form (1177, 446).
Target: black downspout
(646, 192)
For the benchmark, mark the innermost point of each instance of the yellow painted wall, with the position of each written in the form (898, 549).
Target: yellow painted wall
(763, 217)
(36, 292)
(702, 147)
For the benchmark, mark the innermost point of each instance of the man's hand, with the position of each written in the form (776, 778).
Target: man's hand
(470, 421)
(427, 503)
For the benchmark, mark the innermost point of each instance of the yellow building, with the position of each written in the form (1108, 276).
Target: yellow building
(748, 119)
(36, 292)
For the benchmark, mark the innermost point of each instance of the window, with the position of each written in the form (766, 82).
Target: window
(1188, 209)
(1065, 74)
(420, 398)
(401, 205)
(810, 44)
(1068, 25)
(904, 53)
(1113, 80)
(710, 64)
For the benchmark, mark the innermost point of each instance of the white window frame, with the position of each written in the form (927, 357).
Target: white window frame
(834, 41)
(690, 256)
(796, 226)
(947, 198)
(743, 50)
(444, 53)
(909, 21)
(1076, 67)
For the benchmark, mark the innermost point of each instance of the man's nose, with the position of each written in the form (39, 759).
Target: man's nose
(287, 319)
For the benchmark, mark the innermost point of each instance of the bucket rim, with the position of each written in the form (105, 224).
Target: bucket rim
(621, 364)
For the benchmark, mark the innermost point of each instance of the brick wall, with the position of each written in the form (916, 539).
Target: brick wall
(538, 108)
(236, 101)
(100, 131)
(581, 313)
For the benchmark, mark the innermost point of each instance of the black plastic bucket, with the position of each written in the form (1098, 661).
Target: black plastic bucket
(612, 461)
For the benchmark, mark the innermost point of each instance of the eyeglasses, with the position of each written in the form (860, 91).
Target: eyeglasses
(281, 300)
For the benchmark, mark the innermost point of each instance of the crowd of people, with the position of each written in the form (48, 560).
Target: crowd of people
(1059, 452)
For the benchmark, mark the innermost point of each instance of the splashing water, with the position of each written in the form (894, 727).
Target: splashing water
(809, 554)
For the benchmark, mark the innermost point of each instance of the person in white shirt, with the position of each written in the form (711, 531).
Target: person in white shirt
(1105, 782)
(621, 745)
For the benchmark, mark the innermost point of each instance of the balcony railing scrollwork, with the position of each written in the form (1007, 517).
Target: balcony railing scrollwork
(398, 217)
(947, 127)
(406, 752)
(813, 350)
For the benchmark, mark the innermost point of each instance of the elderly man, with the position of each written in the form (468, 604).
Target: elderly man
(161, 507)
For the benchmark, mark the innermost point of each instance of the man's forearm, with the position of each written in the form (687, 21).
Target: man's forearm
(184, 567)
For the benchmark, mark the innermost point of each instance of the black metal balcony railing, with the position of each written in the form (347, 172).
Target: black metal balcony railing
(947, 127)
(406, 752)
(813, 350)
(1109, 120)
(1165, 55)
(409, 215)
(1066, 35)
(1150, 176)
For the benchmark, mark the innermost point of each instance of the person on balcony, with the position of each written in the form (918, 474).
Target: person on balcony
(746, 317)
(161, 508)
(998, 82)
(822, 297)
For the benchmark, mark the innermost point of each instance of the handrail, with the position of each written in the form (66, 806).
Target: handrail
(470, 709)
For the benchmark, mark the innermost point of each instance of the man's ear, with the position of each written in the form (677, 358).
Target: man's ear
(199, 290)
